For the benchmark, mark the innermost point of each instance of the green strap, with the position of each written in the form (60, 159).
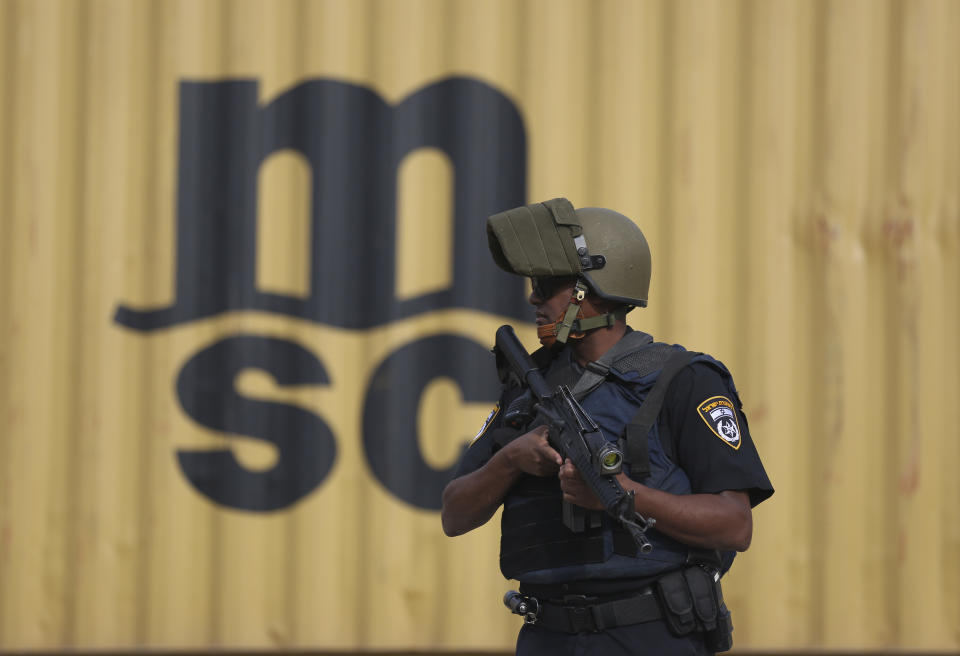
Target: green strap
(570, 317)
(563, 331)
(601, 321)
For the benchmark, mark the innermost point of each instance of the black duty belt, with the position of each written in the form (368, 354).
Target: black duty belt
(580, 614)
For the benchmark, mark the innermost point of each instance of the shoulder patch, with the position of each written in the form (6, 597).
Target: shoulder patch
(719, 414)
(486, 423)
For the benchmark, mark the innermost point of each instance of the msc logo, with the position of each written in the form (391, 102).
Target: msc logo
(354, 143)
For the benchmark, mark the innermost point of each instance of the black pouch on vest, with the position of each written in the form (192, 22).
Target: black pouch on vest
(676, 603)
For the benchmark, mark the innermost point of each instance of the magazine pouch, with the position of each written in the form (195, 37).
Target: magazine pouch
(676, 603)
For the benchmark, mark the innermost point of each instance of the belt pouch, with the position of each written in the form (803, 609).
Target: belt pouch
(701, 587)
(721, 638)
(677, 603)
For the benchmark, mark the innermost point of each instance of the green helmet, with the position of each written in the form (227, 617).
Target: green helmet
(605, 248)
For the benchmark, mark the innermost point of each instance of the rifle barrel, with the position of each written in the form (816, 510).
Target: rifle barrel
(520, 360)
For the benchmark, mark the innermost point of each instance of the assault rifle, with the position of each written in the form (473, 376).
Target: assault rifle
(574, 435)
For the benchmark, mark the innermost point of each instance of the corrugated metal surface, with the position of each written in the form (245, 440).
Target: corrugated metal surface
(795, 166)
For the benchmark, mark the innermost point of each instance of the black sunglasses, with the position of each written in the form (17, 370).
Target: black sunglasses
(545, 287)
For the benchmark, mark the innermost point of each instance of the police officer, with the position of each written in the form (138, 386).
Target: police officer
(690, 462)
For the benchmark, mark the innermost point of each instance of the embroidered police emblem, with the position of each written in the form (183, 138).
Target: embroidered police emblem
(486, 423)
(721, 416)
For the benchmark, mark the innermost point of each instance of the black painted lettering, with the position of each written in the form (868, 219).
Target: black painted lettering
(306, 446)
(390, 411)
(355, 143)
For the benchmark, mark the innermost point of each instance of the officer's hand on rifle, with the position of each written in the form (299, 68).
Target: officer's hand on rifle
(575, 490)
(531, 453)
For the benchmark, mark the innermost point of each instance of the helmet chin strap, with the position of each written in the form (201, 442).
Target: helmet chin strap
(580, 317)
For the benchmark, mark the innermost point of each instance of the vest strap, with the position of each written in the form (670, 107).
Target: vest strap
(596, 372)
(635, 433)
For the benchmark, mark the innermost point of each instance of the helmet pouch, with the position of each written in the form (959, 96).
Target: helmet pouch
(536, 239)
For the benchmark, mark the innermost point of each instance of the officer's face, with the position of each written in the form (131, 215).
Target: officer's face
(551, 296)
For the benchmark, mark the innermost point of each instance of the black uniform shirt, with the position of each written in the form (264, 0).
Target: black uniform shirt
(713, 464)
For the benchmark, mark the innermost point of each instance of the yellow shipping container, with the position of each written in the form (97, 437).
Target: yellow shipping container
(236, 367)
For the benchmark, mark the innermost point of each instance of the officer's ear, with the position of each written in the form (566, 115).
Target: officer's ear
(605, 306)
